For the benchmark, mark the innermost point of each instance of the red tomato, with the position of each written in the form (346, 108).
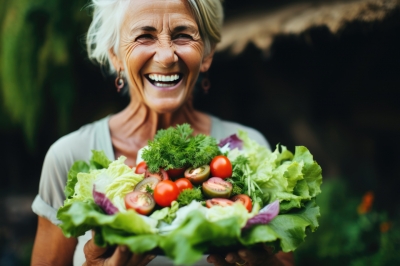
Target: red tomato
(166, 192)
(161, 175)
(218, 202)
(183, 183)
(221, 167)
(141, 202)
(141, 168)
(176, 172)
(244, 199)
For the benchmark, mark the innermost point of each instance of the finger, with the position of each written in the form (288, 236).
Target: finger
(254, 257)
(120, 257)
(93, 253)
(233, 257)
(217, 260)
(145, 259)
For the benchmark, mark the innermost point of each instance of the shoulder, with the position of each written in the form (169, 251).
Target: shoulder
(221, 129)
(75, 146)
(78, 144)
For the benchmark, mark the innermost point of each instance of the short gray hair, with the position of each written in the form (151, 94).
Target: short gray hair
(103, 32)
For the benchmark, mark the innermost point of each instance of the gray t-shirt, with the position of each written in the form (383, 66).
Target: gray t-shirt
(78, 146)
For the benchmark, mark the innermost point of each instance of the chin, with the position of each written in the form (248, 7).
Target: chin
(164, 108)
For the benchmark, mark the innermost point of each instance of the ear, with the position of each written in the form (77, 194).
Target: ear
(207, 60)
(117, 63)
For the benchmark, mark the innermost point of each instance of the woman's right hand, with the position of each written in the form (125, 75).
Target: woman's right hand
(98, 256)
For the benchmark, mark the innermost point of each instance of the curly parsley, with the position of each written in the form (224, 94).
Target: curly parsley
(177, 148)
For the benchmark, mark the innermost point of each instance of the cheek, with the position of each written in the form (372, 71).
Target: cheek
(137, 58)
(192, 55)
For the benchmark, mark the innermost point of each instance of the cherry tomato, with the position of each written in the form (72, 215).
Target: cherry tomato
(166, 192)
(176, 172)
(141, 168)
(161, 175)
(183, 183)
(244, 199)
(147, 184)
(216, 187)
(141, 202)
(198, 175)
(218, 202)
(221, 167)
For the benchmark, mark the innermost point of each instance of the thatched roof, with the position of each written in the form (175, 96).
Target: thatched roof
(261, 27)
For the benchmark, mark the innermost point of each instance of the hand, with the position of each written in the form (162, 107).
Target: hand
(247, 257)
(98, 256)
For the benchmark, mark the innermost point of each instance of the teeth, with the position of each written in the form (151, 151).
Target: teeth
(157, 77)
(163, 84)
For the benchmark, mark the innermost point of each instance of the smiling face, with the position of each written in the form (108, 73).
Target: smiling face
(161, 52)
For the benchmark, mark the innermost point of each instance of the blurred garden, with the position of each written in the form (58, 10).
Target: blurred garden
(323, 74)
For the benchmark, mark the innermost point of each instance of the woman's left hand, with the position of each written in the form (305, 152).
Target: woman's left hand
(246, 257)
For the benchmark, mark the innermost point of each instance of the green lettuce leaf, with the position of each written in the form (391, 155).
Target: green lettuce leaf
(92, 216)
(288, 229)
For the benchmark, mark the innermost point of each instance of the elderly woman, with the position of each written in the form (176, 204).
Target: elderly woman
(157, 48)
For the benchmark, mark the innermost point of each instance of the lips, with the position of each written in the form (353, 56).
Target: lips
(161, 80)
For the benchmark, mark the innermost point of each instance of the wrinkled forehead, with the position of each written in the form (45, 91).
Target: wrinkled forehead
(142, 13)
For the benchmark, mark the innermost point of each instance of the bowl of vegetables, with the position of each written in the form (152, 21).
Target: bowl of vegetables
(190, 195)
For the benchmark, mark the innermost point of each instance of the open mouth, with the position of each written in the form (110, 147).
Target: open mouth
(164, 80)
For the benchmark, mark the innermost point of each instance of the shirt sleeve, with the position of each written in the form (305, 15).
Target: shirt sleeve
(52, 182)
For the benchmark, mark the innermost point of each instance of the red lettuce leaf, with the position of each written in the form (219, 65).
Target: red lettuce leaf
(233, 141)
(103, 202)
(265, 215)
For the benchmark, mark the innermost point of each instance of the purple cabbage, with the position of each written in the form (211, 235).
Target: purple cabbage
(265, 215)
(103, 202)
(234, 142)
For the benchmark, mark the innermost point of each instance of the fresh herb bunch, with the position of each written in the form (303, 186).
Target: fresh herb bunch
(188, 195)
(241, 178)
(174, 148)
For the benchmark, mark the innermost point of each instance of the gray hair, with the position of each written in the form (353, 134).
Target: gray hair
(104, 34)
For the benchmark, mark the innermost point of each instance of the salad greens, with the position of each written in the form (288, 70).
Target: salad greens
(174, 148)
(277, 181)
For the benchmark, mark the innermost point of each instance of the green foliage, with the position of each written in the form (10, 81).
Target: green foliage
(36, 46)
(176, 147)
(188, 195)
(347, 236)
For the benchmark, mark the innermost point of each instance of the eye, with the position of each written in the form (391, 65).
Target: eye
(182, 36)
(144, 38)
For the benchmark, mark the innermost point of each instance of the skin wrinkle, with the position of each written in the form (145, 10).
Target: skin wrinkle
(151, 42)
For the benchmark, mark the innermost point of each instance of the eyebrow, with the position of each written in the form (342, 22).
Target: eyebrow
(178, 28)
(183, 27)
(147, 28)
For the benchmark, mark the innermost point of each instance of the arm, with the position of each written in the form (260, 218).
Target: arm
(51, 247)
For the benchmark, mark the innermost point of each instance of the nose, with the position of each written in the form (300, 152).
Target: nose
(165, 54)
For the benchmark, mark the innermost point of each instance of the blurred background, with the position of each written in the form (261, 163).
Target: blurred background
(323, 74)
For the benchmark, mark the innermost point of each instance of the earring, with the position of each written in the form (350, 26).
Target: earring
(205, 83)
(119, 81)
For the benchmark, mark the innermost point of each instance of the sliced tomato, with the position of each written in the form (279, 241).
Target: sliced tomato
(161, 175)
(244, 199)
(176, 172)
(183, 183)
(216, 187)
(165, 193)
(198, 175)
(218, 202)
(147, 185)
(141, 168)
(220, 166)
(141, 202)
